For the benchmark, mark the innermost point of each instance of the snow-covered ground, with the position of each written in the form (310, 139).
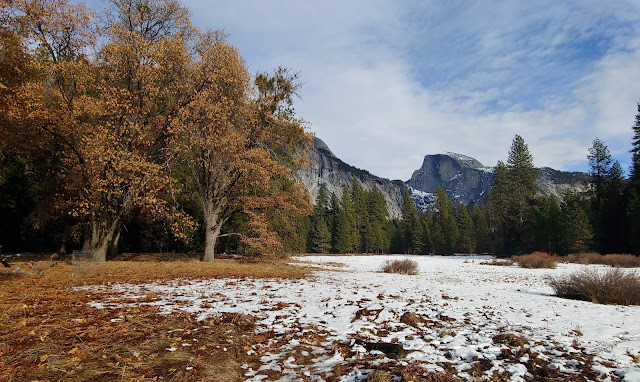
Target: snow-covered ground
(464, 314)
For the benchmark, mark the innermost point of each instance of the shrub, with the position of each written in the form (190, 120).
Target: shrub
(583, 258)
(614, 260)
(406, 266)
(605, 286)
(536, 260)
(623, 261)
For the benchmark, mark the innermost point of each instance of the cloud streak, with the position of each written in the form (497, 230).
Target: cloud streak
(387, 82)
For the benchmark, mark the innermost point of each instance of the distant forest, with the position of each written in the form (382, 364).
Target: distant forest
(515, 220)
(133, 131)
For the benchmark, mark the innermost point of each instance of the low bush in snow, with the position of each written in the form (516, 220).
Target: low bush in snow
(614, 260)
(623, 261)
(406, 266)
(583, 258)
(498, 262)
(601, 286)
(536, 260)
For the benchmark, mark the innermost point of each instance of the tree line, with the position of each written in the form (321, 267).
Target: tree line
(605, 219)
(358, 222)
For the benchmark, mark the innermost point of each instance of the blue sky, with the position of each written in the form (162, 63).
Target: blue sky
(387, 82)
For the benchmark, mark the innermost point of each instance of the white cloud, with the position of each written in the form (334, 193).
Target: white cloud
(388, 82)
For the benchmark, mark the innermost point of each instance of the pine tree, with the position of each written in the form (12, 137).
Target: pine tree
(599, 171)
(409, 224)
(576, 233)
(332, 219)
(320, 235)
(375, 237)
(466, 242)
(481, 229)
(634, 192)
(499, 206)
(437, 238)
(511, 200)
(346, 232)
(361, 212)
(615, 223)
(322, 204)
(600, 168)
(522, 176)
(635, 151)
(447, 221)
(425, 227)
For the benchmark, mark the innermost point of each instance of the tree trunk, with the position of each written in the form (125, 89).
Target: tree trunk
(86, 245)
(102, 239)
(63, 246)
(115, 243)
(212, 230)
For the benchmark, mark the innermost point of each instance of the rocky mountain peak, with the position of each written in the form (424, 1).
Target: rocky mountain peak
(465, 160)
(465, 179)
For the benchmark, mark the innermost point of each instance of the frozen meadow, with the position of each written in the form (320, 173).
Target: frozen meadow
(456, 316)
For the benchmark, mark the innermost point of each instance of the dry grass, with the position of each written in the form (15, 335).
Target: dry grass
(614, 260)
(609, 286)
(48, 332)
(142, 272)
(536, 260)
(406, 267)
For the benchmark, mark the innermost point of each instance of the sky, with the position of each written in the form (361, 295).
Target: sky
(386, 82)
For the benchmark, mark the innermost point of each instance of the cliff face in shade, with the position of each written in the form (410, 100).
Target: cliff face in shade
(329, 172)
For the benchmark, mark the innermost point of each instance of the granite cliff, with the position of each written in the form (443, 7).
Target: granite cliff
(327, 171)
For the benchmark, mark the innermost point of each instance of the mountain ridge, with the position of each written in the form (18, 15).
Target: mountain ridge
(465, 179)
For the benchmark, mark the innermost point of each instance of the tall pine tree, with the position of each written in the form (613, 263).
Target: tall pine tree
(446, 220)
(522, 176)
(346, 240)
(376, 239)
(361, 212)
(410, 228)
(511, 200)
(634, 193)
(576, 233)
(599, 172)
(320, 233)
(481, 229)
(466, 242)
(635, 151)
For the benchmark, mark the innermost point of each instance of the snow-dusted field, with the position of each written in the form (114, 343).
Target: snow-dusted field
(463, 310)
